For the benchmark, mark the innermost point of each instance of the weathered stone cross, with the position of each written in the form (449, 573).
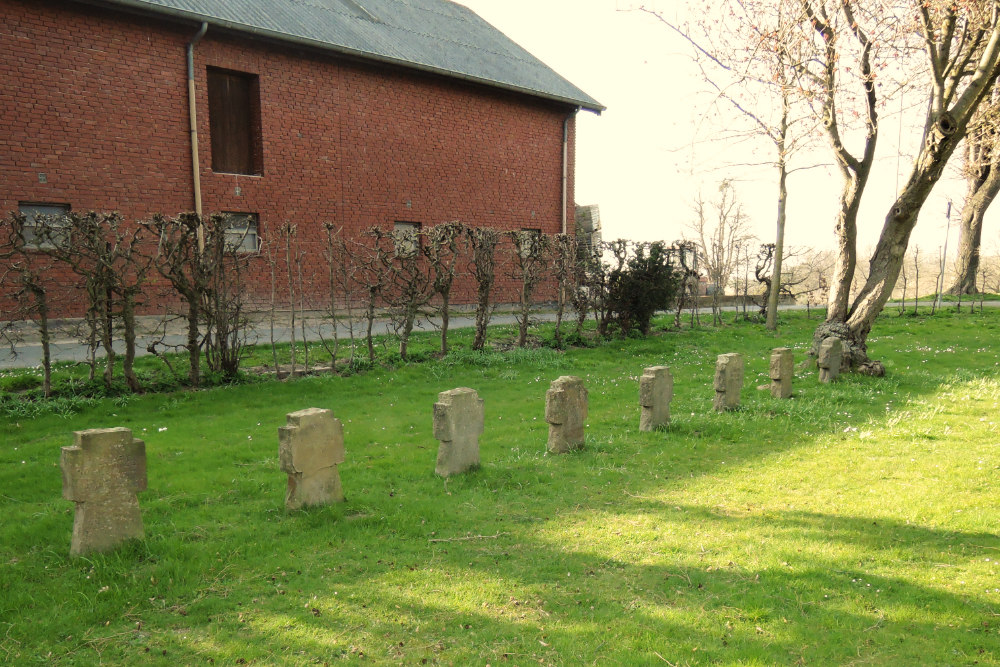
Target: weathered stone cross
(102, 472)
(831, 356)
(728, 381)
(310, 448)
(458, 422)
(656, 390)
(781, 370)
(566, 413)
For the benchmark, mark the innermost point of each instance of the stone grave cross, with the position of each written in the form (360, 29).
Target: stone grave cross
(728, 381)
(656, 390)
(310, 448)
(566, 413)
(831, 356)
(102, 472)
(458, 423)
(781, 370)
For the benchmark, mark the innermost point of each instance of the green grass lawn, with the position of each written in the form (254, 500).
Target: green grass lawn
(856, 523)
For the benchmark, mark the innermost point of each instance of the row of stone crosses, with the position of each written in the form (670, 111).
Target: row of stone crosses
(105, 468)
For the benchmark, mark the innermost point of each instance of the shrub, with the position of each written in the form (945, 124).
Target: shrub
(648, 282)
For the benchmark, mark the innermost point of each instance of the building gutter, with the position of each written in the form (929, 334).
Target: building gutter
(193, 117)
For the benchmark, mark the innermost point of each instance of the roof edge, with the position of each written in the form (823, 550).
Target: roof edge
(146, 9)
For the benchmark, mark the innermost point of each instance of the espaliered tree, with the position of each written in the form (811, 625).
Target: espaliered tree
(371, 254)
(483, 243)
(409, 284)
(202, 261)
(24, 276)
(442, 251)
(179, 260)
(529, 255)
(565, 257)
(686, 263)
(107, 255)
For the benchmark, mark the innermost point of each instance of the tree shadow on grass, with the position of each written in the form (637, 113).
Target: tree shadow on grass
(580, 606)
(223, 534)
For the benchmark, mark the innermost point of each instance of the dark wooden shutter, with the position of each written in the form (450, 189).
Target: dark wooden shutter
(231, 121)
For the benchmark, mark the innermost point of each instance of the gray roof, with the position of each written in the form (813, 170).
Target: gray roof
(432, 35)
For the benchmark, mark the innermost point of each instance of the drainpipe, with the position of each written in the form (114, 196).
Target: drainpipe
(565, 199)
(565, 169)
(193, 115)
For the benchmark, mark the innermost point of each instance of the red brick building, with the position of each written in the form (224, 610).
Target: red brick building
(356, 112)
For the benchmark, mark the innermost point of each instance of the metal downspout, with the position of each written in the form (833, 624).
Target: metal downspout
(193, 116)
(565, 170)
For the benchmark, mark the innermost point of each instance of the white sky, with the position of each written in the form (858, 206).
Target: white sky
(645, 158)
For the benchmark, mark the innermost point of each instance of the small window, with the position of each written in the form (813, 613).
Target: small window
(242, 232)
(406, 238)
(234, 122)
(52, 216)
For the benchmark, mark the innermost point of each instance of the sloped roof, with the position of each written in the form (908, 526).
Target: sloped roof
(432, 35)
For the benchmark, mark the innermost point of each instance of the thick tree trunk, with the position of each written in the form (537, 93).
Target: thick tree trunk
(846, 262)
(887, 261)
(983, 189)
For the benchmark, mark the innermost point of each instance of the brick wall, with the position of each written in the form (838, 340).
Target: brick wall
(97, 102)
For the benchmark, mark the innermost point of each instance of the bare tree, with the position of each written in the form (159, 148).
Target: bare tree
(204, 262)
(371, 255)
(334, 261)
(686, 261)
(565, 252)
(289, 237)
(982, 176)
(26, 275)
(483, 243)
(409, 284)
(807, 277)
(750, 53)
(106, 254)
(600, 281)
(180, 261)
(720, 228)
(529, 258)
(587, 280)
(442, 251)
(839, 82)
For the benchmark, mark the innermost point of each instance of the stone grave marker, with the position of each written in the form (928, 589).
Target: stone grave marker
(728, 381)
(102, 472)
(458, 423)
(831, 355)
(310, 447)
(782, 370)
(656, 390)
(566, 413)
